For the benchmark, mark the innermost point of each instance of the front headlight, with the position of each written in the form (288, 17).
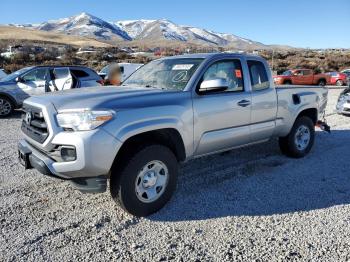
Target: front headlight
(83, 120)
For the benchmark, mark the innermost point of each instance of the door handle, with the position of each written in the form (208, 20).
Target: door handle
(244, 103)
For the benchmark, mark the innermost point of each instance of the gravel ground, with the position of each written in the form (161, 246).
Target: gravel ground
(248, 204)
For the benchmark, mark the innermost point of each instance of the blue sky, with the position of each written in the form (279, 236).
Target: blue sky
(299, 23)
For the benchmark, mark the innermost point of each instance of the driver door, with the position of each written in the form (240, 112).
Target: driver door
(33, 83)
(61, 79)
(222, 119)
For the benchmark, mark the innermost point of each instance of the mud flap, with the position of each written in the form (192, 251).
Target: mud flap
(323, 126)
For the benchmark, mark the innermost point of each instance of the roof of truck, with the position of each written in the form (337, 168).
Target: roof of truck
(211, 55)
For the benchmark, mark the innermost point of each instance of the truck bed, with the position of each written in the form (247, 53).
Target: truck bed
(293, 99)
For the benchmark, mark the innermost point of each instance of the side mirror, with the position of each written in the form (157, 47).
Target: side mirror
(215, 85)
(19, 79)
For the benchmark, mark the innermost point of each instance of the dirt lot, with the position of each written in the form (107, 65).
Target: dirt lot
(249, 204)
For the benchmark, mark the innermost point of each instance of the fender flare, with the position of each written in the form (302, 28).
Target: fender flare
(148, 125)
(13, 100)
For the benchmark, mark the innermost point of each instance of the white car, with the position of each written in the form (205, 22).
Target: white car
(343, 105)
(2, 73)
(126, 69)
(347, 72)
(37, 80)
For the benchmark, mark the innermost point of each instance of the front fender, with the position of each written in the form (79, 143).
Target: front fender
(16, 102)
(131, 122)
(142, 126)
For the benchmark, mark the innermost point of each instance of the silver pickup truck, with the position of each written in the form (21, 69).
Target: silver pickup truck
(169, 111)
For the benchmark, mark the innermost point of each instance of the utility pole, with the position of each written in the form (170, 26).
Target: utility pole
(272, 63)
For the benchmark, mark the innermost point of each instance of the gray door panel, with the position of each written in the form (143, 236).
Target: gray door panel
(220, 123)
(264, 102)
(263, 116)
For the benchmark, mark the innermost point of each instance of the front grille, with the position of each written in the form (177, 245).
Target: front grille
(33, 124)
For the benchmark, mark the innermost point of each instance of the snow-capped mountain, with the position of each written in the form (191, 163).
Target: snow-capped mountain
(134, 27)
(85, 25)
(154, 30)
(166, 30)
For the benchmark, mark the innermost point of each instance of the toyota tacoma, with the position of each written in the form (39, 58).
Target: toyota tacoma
(169, 111)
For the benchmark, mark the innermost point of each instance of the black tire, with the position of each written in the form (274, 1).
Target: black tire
(339, 83)
(123, 182)
(288, 145)
(322, 82)
(6, 106)
(287, 82)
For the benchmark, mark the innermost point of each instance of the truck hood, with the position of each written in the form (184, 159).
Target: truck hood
(110, 97)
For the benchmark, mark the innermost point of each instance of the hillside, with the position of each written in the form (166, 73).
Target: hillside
(17, 33)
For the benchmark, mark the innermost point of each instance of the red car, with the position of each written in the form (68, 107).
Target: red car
(301, 77)
(338, 79)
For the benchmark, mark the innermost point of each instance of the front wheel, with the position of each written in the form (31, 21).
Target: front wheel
(300, 139)
(6, 107)
(339, 83)
(147, 181)
(322, 82)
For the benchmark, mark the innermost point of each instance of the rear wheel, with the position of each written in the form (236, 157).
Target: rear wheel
(287, 82)
(147, 181)
(6, 107)
(339, 83)
(300, 139)
(322, 82)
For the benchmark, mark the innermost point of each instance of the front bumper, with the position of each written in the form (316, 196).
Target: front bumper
(95, 154)
(344, 108)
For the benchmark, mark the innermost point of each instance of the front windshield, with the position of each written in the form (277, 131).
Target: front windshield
(15, 74)
(169, 74)
(287, 73)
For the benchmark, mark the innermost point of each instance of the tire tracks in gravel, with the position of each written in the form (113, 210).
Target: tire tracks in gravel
(227, 170)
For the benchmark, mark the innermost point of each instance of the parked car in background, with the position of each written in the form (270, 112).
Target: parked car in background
(171, 110)
(338, 79)
(347, 72)
(126, 70)
(343, 105)
(2, 73)
(301, 77)
(36, 80)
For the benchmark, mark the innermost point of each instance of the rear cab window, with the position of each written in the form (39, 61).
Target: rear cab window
(307, 72)
(258, 75)
(79, 73)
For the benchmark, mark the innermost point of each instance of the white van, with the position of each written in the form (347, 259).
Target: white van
(126, 69)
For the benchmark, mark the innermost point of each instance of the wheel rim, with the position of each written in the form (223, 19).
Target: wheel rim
(302, 137)
(339, 83)
(5, 107)
(322, 83)
(151, 181)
